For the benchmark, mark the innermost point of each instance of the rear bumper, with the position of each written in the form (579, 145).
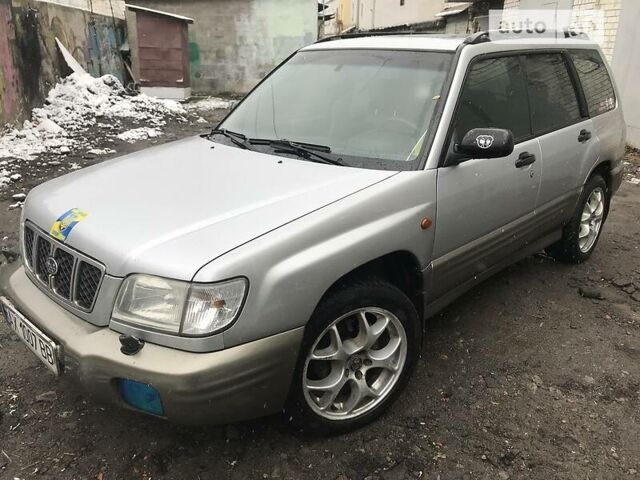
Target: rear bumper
(238, 383)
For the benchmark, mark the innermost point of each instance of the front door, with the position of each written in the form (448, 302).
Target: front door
(482, 203)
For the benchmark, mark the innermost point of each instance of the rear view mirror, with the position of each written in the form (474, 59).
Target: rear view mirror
(486, 143)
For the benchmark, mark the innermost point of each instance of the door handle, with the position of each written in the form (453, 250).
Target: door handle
(585, 136)
(525, 159)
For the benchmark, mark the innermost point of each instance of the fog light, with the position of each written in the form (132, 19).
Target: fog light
(141, 396)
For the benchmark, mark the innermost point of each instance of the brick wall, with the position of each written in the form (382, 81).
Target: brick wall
(611, 12)
(582, 11)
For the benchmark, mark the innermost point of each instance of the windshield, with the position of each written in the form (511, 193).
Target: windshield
(370, 108)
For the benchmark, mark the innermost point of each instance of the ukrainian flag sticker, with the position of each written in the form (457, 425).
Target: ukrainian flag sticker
(65, 223)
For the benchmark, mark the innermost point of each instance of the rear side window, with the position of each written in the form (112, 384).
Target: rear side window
(595, 80)
(554, 103)
(494, 96)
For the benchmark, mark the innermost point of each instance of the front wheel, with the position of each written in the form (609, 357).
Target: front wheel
(359, 349)
(581, 235)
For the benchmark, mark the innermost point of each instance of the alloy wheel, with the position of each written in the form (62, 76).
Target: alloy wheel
(354, 363)
(591, 220)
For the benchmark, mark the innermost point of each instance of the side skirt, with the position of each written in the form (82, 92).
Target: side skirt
(437, 305)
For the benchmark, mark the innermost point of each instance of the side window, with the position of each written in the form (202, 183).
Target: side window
(554, 103)
(595, 81)
(494, 96)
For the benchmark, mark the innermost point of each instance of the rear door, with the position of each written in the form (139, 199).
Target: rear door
(482, 203)
(566, 134)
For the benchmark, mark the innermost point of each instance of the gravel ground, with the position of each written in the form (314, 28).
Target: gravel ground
(522, 377)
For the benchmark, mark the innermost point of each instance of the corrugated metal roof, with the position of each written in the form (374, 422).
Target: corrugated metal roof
(454, 9)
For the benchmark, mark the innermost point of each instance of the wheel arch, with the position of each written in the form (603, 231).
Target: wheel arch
(603, 168)
(400, 268)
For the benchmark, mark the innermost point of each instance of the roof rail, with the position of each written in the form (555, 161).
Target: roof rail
(488, 36)
(342, 36)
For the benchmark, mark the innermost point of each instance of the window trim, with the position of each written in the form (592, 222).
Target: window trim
(564, 52)
(570, 59)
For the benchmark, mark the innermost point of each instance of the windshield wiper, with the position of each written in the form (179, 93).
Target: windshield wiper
(237, 138)
(308, 151)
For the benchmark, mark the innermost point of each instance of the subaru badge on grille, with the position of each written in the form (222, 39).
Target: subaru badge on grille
(51, 265)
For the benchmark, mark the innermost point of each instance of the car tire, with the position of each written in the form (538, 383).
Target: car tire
(337, 350)
(580, 236)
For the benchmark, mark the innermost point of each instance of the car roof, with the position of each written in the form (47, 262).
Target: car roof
(440, 42)
(448, 43)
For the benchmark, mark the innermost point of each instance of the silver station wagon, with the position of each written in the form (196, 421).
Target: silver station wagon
(286, 261)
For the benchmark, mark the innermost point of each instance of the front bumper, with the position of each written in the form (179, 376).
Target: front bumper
(247, 381)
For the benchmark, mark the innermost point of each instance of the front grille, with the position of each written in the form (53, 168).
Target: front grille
(87, 284)
(43, 251)
(70, 275)
(28, 245)
(63, 279)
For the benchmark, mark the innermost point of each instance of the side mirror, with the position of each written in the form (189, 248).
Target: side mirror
(486, 143)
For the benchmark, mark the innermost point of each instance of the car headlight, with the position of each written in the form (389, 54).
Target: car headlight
(180, 308)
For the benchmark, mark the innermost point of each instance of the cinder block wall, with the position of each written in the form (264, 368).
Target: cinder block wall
(233, 44)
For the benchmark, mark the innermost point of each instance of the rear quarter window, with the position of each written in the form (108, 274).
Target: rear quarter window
(595, 80)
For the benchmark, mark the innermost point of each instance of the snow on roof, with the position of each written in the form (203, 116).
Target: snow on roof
(137, 8)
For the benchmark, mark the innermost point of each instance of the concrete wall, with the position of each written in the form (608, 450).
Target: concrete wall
(234, 43)
(345, 17)
(388, 13)
(106, 8)
(30, 59)
(626, 67)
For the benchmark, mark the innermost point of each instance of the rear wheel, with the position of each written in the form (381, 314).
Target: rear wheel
(581, 235)
(358, 352)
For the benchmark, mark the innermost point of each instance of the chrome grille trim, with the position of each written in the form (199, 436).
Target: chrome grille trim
(66, 285)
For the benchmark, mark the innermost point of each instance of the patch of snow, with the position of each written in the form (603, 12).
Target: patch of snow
(101, 151)
(141, 133)
(74, 105)
(210, 103)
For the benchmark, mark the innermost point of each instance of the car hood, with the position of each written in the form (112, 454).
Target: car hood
(171, 209)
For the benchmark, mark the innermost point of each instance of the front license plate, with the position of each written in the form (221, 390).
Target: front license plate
(45, 349)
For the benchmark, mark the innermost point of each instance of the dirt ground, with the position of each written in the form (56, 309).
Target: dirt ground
(521, 378)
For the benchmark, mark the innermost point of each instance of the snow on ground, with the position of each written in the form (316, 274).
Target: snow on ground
(210, 103)
(80, 102)
(141, 133)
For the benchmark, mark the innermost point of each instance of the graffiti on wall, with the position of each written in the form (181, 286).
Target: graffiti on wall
(30, 60)
(10, 92)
